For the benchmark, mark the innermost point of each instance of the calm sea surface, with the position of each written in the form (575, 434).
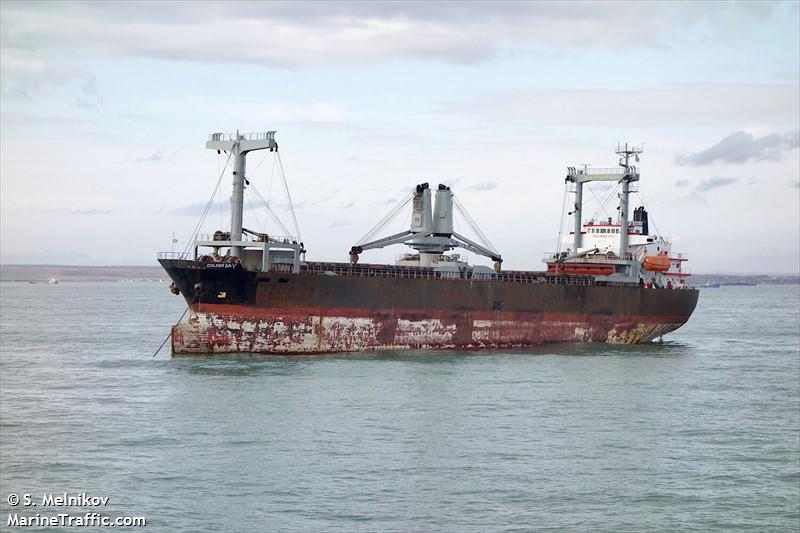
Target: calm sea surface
(701, 432)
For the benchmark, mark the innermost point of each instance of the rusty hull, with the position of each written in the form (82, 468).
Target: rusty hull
(235, 310)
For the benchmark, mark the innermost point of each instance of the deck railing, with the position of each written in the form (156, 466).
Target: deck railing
(175, 255)
(590, 171)
(388, 271)
(384, 271)
(549, 257)
(246, 237)
(254, 136)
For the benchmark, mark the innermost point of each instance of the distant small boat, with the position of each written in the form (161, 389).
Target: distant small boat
(52, 281)
(711, 286)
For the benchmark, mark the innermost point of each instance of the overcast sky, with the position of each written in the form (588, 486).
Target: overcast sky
(106, 108)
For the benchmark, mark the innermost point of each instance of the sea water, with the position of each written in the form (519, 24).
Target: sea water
(700, 432)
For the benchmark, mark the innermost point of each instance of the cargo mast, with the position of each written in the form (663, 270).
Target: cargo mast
(431, 232)
(631, 174)
(624, 175)
(239, 145)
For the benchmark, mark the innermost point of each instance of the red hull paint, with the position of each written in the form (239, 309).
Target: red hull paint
(220, 328)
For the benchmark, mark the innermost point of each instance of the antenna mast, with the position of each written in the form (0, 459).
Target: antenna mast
(631, 174)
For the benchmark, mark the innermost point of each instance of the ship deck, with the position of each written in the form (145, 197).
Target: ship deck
(367, 270)
(410, 272)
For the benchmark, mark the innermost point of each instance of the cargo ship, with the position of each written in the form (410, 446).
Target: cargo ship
(609, 281)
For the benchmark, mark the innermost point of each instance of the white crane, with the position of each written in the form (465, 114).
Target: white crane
(431, 232)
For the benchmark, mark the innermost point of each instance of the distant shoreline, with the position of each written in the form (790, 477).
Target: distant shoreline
(67, 273)
(71, 273)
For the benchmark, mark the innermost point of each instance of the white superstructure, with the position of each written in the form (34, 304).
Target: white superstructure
(619, 249)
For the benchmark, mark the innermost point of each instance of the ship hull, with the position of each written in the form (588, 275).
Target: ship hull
(229, 329)
(236, 311)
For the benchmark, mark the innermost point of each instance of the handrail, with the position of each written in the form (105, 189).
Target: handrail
(594, 171)
(174, 255)
(275, 239)
(252, 136)
(387, 271)
(610, 171)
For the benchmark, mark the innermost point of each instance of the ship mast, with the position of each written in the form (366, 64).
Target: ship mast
(624, 175)
(631, 174)
(239, 145)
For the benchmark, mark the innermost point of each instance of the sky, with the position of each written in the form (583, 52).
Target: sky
(105, 108)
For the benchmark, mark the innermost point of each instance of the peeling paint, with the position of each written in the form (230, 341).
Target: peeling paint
(206, 332)
(637, 333)
(426, 332)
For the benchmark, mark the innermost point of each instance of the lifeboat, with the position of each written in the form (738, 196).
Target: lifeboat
(656, 263)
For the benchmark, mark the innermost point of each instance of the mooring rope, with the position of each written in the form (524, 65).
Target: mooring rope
(170, 331)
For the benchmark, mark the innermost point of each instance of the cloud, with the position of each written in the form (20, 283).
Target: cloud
(19, 120)
(482, 186)
(714, 183)
(90, 97)
(669, 105)
(197, 208)
(385, 202)
(316, 113)
(154, 158)
(42, 42)
(602, 186)
(740, 147)
(706, 185)
(71, 211)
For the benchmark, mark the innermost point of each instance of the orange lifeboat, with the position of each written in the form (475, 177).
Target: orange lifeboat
(656, 263)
